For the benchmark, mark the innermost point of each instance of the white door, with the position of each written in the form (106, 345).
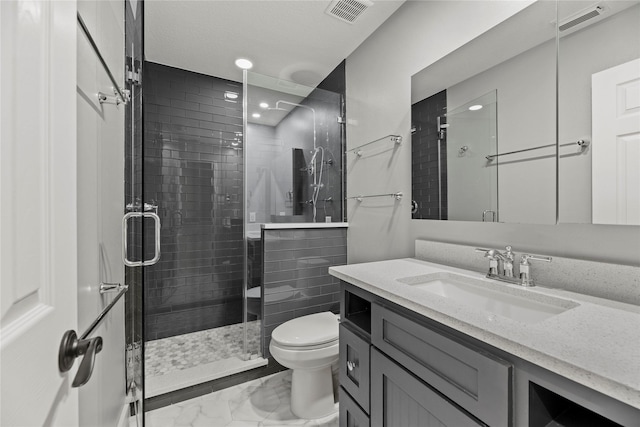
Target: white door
(616, 144)
(38, 255)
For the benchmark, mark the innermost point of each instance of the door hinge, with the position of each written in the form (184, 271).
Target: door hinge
(342, 120)
(133, 78)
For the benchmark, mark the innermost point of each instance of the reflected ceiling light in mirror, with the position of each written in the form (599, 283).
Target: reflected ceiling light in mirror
(475, 107)
(256, 115)
(244, 63)
(230, 96)
(264, 105)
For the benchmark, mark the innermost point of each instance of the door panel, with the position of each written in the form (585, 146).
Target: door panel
(38, 248)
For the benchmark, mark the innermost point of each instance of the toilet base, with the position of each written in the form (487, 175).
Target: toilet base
(312, 393)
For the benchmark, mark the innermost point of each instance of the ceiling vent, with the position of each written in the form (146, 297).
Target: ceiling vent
(580, 17)
(348, 10)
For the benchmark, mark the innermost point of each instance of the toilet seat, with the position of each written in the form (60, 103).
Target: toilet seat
(307, 332)
(305, 347)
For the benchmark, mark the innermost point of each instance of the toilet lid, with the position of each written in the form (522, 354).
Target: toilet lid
(314, 329)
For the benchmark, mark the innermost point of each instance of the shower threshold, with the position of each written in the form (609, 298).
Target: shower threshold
(176, 380)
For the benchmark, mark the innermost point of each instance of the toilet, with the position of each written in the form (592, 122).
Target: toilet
(309, 346)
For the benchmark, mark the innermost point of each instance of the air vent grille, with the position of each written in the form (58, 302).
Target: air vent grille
(348, 10)
(581, 17)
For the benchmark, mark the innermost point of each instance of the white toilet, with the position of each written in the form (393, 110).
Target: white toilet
(309, 346)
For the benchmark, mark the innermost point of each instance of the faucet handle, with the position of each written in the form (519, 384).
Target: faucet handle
(524, 258)
(493, 260)
(525, 267)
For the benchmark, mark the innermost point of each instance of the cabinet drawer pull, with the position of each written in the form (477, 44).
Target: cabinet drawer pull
(351, 365)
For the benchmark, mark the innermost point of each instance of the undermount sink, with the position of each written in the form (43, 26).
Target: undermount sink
(517, 304)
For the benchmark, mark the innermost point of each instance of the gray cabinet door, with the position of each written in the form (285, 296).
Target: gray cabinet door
(398, 399)
(354, 366)
(351, 415)
(475, 380)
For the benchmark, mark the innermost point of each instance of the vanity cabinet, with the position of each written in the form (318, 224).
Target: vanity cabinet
(400, 372)
(401, 369)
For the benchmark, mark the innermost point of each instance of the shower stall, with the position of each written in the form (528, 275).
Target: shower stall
(199, 157)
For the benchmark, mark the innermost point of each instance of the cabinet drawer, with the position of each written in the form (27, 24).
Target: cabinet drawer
(477, 381)
(354, 366)
(351, 415)
(400, 399)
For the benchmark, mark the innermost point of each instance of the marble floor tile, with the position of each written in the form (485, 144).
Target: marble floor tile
(258, 403)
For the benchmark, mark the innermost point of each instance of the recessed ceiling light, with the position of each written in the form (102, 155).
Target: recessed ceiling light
(475, 107)
(244, 63)
(256, 115)
(264, 105)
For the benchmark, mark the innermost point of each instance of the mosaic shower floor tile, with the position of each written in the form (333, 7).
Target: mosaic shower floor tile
(182, 352)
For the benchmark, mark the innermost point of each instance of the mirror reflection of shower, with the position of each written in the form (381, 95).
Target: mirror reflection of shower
(312, 169)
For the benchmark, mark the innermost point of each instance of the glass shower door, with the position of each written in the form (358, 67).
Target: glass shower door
(133, 204)
(195, 318)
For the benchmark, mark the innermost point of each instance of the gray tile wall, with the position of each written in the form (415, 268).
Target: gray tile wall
(194, 174)
(296, 278)
(424, 158)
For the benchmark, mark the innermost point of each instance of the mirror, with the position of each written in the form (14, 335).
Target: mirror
(599, 101)
(484, 149)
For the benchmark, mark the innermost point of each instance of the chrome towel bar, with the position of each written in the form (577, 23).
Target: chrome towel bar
(116, 88)
(72, 347)
(105, 311)
(397, 196)
(396, 139)
(580, 143)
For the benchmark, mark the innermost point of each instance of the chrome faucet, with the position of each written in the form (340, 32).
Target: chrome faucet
(506, 258)
(495, 259)
(525, 268)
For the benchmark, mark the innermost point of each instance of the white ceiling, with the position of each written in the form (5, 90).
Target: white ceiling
(293, 40)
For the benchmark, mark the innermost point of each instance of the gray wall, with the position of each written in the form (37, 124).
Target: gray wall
(379, 103)
(100, 193)
(296, 277)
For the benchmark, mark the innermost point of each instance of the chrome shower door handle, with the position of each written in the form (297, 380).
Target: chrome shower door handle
(125, 229)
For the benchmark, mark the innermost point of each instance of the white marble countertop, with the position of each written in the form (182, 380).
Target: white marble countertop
(596, 344)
